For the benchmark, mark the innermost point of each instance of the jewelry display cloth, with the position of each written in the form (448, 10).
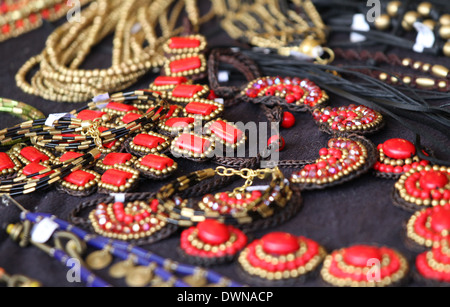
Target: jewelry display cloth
(358, 212)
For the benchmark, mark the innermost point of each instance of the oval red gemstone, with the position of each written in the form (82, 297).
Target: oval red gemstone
(359, 255)
(280, 243)
(433, 180)
(440, 220)
(213, 232)
(399, 148)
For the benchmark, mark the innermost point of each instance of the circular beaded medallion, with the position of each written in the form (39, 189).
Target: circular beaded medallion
(364, 266)
(211, 242)
(280, 257)
(433, 266)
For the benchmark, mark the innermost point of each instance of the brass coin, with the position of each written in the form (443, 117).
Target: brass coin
(195, 280)
(139, 276)
(99, 260)
(120, 269)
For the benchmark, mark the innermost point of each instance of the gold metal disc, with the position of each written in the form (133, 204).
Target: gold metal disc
(99, 260)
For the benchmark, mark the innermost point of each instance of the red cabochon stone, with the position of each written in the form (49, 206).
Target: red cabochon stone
(90, 114)
(156, 162)
(213, 232)
(440, 220)
(69, 155)
(179, 121)
(358, 255)
(399, 148)
(226, 132)
(116, 177)
(192, 143)
(168, 80)
(147, 140)
(183, 42)
(185, 64)
(33, 155)
(121, 107)
(200, 108)
(186, 90)
(280, 243)
(116, 158)
(79, 178)
(35, 167)
(5, 161)
(130, 117)
(433, 180)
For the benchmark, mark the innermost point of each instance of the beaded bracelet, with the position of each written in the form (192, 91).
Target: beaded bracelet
(20, 109)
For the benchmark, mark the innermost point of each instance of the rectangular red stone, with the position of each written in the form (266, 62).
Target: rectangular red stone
(192, 143)
(226, 132)
(186, 90)
(79, 178)
(90, 114)
(179, 121)
(200, 108)
(156, 162)
(5, 161)
(147, 140)
(69, 155)
(121, 107)
(185, 64)
(130, 117)
(168, 80)
(34, 168)
(109, 144)
(183, 42)
(116, 177)
(33, 155)
(117, 158)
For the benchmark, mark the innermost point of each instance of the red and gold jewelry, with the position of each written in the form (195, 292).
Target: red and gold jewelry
(156, 166)
(118, 179)
(434, 265)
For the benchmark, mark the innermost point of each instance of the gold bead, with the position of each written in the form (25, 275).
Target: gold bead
(383, 22)
(406, 62)
(392, 8)
(417, 65)
(424, 8)
(442, 84)
(440, 71)
(444, 32)
(446, 49)
(429, 23)
(408, 20)
(383, 76)
(407, 79)
(425, 82)
(445, 19)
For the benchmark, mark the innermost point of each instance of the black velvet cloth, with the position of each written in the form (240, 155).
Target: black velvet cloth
(360, 211)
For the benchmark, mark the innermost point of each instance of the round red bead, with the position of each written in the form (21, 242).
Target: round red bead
(288, 120)
(399, 148)
(433, 180)
(440, 220)
(279, 139)
(358, 255)
(280, 243)
(213, 232)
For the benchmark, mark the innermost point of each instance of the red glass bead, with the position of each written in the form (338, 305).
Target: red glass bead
(33, 155)
(358, 255)
(6, 28)
(179, 121)
(168, 80)
(279, 139)
(192, 143)
(116, 177)
(5, 161)
(186, 90)
(183, 42)
(79, 178)
(433, 180)
(148, 140)
(156, 162)
(69, 155)
(226, 132)
(288, 120)
(200, 108)
(290, 98)
(398, 148)
(213, 232)
(116, 158)
(280, 243)
(90, 114)
(185, 64)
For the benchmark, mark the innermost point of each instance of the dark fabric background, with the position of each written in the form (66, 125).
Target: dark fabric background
(360, 211)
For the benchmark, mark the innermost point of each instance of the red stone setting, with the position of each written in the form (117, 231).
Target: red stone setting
(130, 117)
(169, 80)
(281, 255)
(186, 90)
(69, 155)
(79, 178)
(35, 167)
(185, 64)
(183, 42)
(116, 158)
(350, 266)
(148, 140)
(212, 239)
(116, 177)
(399, 148)
(32, 154)
(179, 122)
(157, 162)
(6, 162)
(434, 264)
(90, 114)
(226, 132)
(192, 143)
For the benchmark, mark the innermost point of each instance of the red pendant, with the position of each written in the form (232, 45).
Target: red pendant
(121, 107)
(213, 232)
(432, 265)
(226, 132)
(183, 42)
(428, 227)
(399, 148)
(168, 80)
(116, 177)
(179, 121)
(79, 178)
(359, 255)
(69, 155)
(148, 140)
(116, 158)
(157, 162)
(33, 155)
(5, 161)
(186, 90)
(192, 143)
(203, 109)
(280, 243)
(90, 114)
(433, 180)
(185, 64)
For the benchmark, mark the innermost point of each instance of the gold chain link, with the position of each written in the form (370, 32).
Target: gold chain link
(245, 173)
